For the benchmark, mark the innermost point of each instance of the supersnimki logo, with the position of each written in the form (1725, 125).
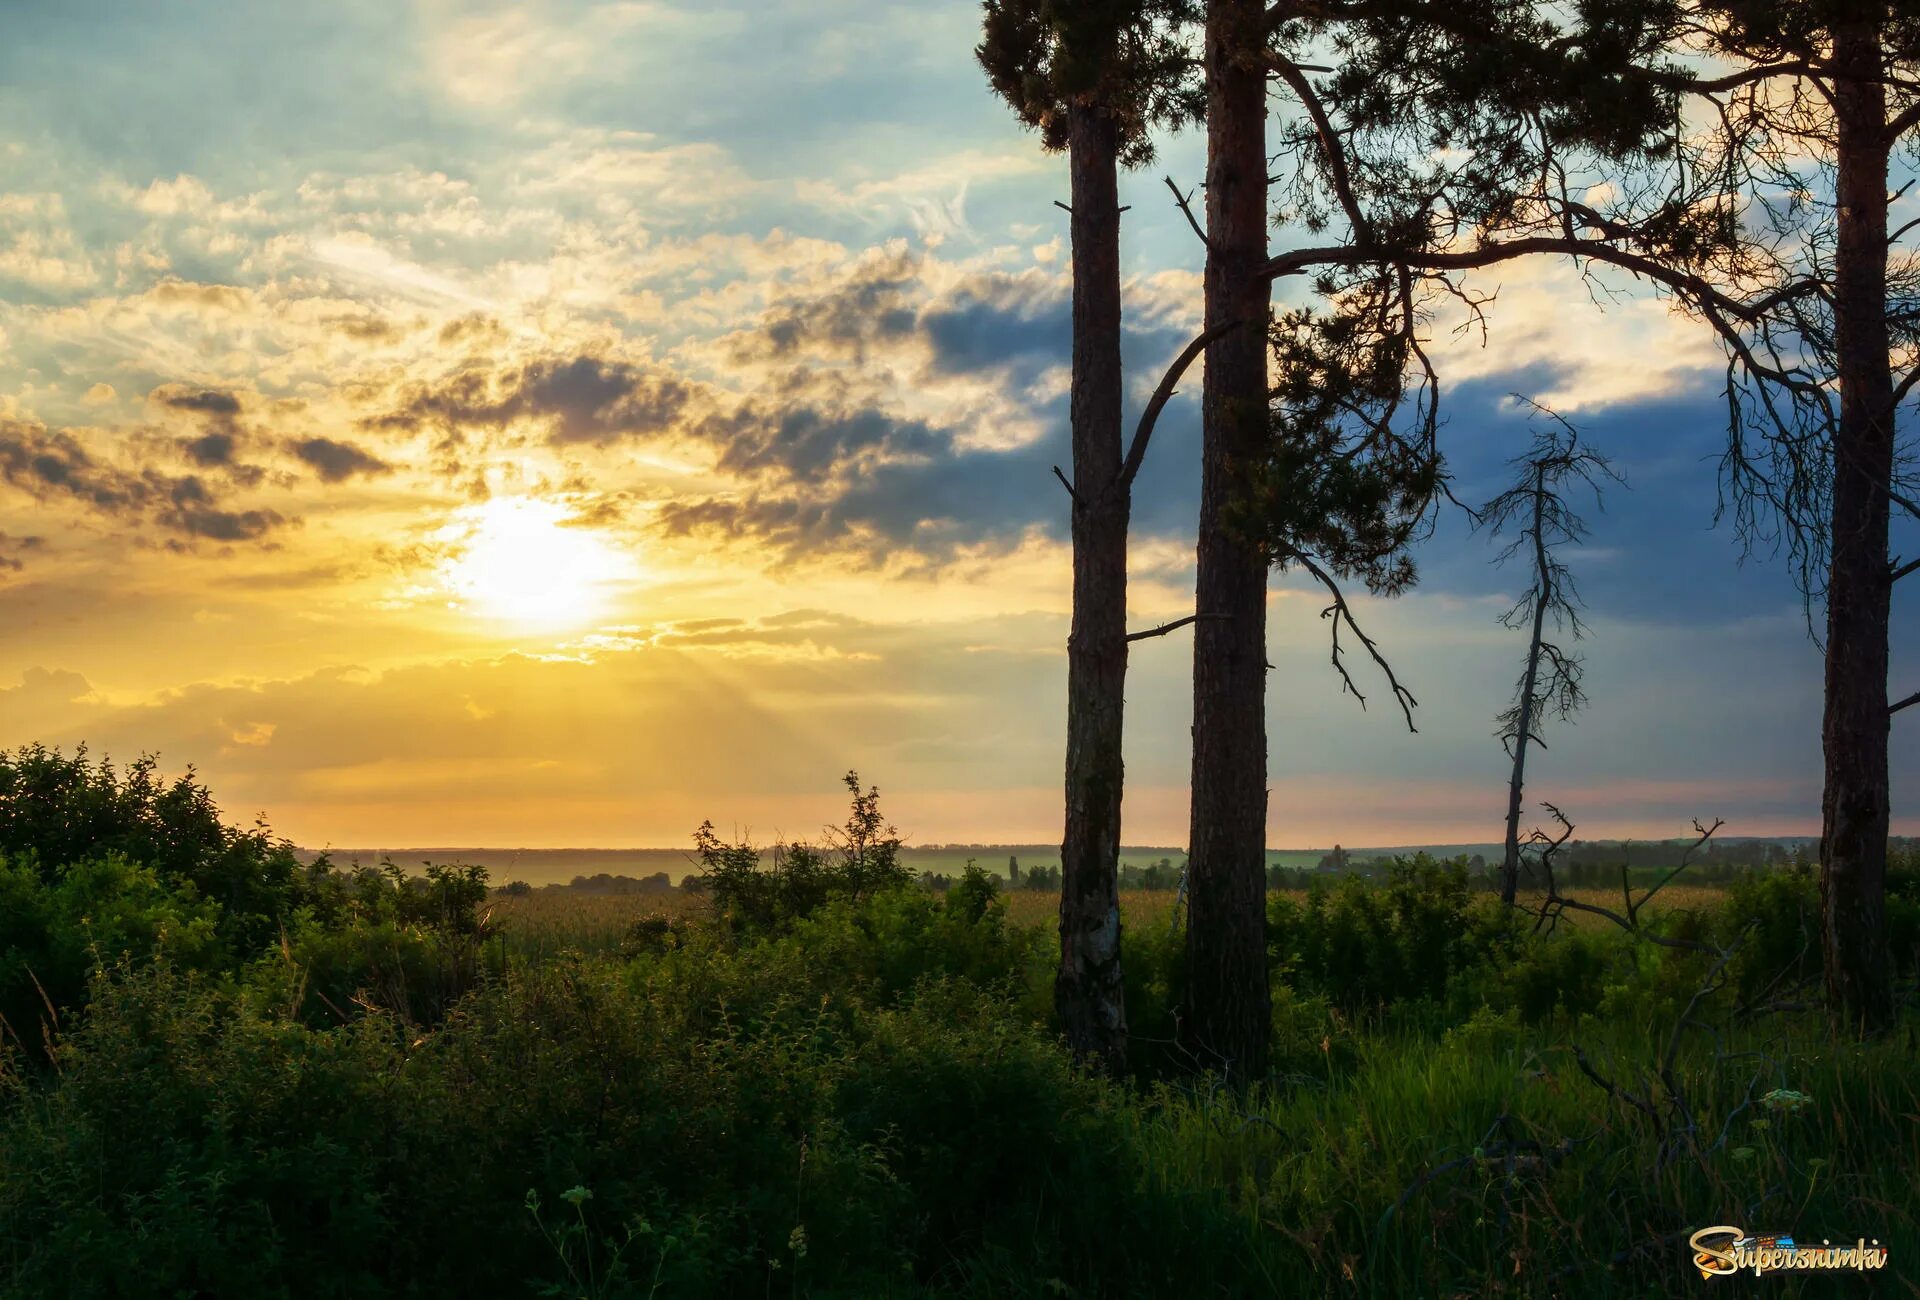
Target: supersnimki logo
(1722, 1250)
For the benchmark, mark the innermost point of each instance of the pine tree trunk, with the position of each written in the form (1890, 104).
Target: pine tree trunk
(1088, 993)
(1228, 1007)
(1854, 809)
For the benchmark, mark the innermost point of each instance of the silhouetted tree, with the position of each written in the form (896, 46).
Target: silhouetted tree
(1404, 164)
(1093, 78)
(1536, 514)
(1228, 1005)
(1767, 217)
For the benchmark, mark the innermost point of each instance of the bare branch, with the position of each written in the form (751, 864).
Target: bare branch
(1696, 288)
(1174, 626)
(1185, 201)
(1340, 612)
(1137, 452)
(1078, 504)
(1330, 146)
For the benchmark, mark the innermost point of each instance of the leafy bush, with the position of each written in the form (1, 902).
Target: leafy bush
(860, 860)
(733, 1133)
(850, 1087)
(1361, 945)
(102, 866)
(57, 928)
(58, 809)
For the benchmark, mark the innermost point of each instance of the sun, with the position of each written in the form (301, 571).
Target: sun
(518, 560)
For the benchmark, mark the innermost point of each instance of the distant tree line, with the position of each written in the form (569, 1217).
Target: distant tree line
(599, 883)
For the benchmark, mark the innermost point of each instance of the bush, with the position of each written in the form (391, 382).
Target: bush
(860, 860)
(738, 1134)
(57, 810)
(58, 928)
(1362, 945)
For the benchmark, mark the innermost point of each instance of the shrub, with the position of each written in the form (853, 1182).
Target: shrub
(734, 1134)
(1362, 945)
(57, 929)
(58, 809)
(860, 859)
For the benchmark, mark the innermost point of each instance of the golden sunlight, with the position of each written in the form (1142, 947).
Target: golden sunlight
(518, 560)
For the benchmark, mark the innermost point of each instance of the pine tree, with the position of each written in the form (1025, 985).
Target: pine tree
(1093, 78)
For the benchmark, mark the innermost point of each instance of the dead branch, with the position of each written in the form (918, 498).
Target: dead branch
(1185, 202)
(1174, 626)
(1078, 504)
(1340, 612)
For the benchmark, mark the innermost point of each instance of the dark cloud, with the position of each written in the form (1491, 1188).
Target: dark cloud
(211, 449)
(222, 437)
(988, 322)
(193, 509)
(584, 399)
(222, 525)
(206, 401)
(367, 328)
(11, 547)
(998, 324)
(335, 461)
(474, 326)
(54, 464)
(788, 437)
(892, 512)
(823, 472)
(874, 305)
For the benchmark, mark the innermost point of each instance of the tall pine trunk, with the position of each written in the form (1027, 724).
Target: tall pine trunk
(1088, 993)
(1854, 808)
(1228, 1006)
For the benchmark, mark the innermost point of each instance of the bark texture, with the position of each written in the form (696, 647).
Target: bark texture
(1228, 1008)
(1854, 805)
(1088, 993)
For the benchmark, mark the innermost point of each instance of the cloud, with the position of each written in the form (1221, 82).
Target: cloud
(1594, 341)
(11, 547)
(38, 246)
(892, 408)
(579, 399)
(54, 465)
(46, 702)
(206, 401)
(211, 449)
(872, 305)
(635, 171)
(337, 461)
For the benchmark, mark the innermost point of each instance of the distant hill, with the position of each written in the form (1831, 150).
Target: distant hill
(558, 866)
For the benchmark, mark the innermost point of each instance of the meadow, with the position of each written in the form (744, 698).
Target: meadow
(231, 1072)
(549, 921)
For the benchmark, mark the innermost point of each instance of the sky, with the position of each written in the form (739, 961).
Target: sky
(560, 423)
